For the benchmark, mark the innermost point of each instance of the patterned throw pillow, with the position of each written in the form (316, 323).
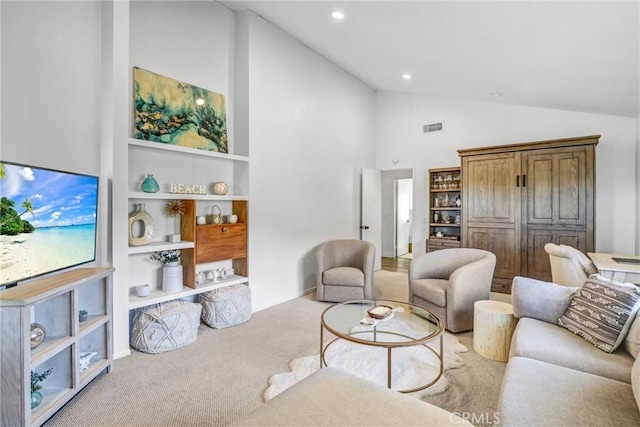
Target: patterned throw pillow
(601, 312)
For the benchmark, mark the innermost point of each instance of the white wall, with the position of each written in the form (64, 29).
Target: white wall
(311, 129)
(51, 90)
(400, 117)
(637, 219)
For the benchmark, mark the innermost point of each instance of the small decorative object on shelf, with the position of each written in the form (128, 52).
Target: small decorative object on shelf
(171, 271)
(36, 379)
(458, 218)
(215, 218)
(174, 208)
(220, 188)
(458, 201)
(83, 315)
(38, 334)
(85, 359)
(436, 217)
(150, 185)
(140, 216)
(233, 219)
(143, 290)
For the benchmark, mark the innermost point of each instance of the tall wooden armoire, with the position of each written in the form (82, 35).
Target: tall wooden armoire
(519, 197)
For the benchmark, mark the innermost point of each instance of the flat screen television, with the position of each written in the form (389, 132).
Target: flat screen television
(47, 221)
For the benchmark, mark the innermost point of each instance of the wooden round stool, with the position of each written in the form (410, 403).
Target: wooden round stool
(493, 325)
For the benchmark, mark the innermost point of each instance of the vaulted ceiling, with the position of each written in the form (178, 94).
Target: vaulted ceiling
(580, 56)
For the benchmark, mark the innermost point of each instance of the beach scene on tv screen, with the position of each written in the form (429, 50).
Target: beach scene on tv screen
(47, 221)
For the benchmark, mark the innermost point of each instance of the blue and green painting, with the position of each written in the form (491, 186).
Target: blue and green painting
(173, 112)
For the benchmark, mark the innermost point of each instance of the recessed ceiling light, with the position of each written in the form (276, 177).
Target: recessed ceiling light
(406, 76)
(337, 14)
(199, 101)
(496, 94)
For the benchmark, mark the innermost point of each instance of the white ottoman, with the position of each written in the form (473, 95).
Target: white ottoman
(228, 306)
(493, 326)
(166, 326)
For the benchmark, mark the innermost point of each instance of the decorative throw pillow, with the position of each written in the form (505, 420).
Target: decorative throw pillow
(601, 312)
(540, 300)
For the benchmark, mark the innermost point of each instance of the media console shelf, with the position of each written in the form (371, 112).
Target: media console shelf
(54, 302)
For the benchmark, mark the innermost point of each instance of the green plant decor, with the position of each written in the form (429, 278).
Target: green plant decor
(36, 378)
(166, 257)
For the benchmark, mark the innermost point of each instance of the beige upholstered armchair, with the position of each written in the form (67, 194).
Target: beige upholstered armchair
(569, 266)
(449, 281)
(345, 270)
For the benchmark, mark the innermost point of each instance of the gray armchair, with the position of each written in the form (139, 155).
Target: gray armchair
(345, 270)
(569, 266)
(449, 281)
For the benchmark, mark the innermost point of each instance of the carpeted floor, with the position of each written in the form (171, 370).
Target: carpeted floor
(222, 376)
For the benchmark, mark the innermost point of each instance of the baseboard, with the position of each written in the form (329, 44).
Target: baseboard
(284, 299)
(122, 354)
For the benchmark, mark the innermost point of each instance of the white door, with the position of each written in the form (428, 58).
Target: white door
(371, 211)
(404, 205)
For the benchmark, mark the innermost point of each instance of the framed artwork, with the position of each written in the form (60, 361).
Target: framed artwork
(172, 112)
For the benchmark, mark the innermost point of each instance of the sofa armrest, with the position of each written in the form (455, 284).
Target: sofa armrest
(540, 300)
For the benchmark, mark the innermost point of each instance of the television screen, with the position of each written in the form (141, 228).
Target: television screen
(47, 221)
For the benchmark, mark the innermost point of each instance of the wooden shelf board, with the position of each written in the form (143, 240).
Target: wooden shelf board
(160, 246)
(156, 296)
(185, 150)
(139, 195)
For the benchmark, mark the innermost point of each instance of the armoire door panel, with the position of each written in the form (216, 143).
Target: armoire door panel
(503, 243)
(490, 197)
(571, 193)
(556, 191)
(537, 259)
(541, 187)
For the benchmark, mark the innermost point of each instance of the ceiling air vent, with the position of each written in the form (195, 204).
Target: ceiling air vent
(433, 127)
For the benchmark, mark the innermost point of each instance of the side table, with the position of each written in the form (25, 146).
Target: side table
(493, 326)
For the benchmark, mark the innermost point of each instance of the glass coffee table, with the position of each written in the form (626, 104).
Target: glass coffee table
(409, 325)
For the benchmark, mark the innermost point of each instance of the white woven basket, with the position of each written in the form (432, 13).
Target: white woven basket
(166, 326)
(228, 306)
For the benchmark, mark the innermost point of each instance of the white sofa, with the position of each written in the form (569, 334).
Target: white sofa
(556, 378)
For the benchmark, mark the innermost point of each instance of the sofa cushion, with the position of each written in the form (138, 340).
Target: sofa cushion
(601, 312)
(635, 380)
(632, 340)
(559, 396)
(434, 290)
(345, 276)
(550, 343)
(540, 300)
(331, 397)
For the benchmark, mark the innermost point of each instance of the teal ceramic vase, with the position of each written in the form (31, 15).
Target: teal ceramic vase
(150, 185)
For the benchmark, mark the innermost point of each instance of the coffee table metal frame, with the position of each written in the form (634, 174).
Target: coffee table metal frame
(389, 345)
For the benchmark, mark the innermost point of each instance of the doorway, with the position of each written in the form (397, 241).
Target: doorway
(397, 217)
(404, 213)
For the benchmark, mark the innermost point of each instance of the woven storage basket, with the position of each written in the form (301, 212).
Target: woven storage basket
(228, 306)
(166, 326)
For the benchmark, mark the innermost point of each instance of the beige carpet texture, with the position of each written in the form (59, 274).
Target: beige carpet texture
(224, 373)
